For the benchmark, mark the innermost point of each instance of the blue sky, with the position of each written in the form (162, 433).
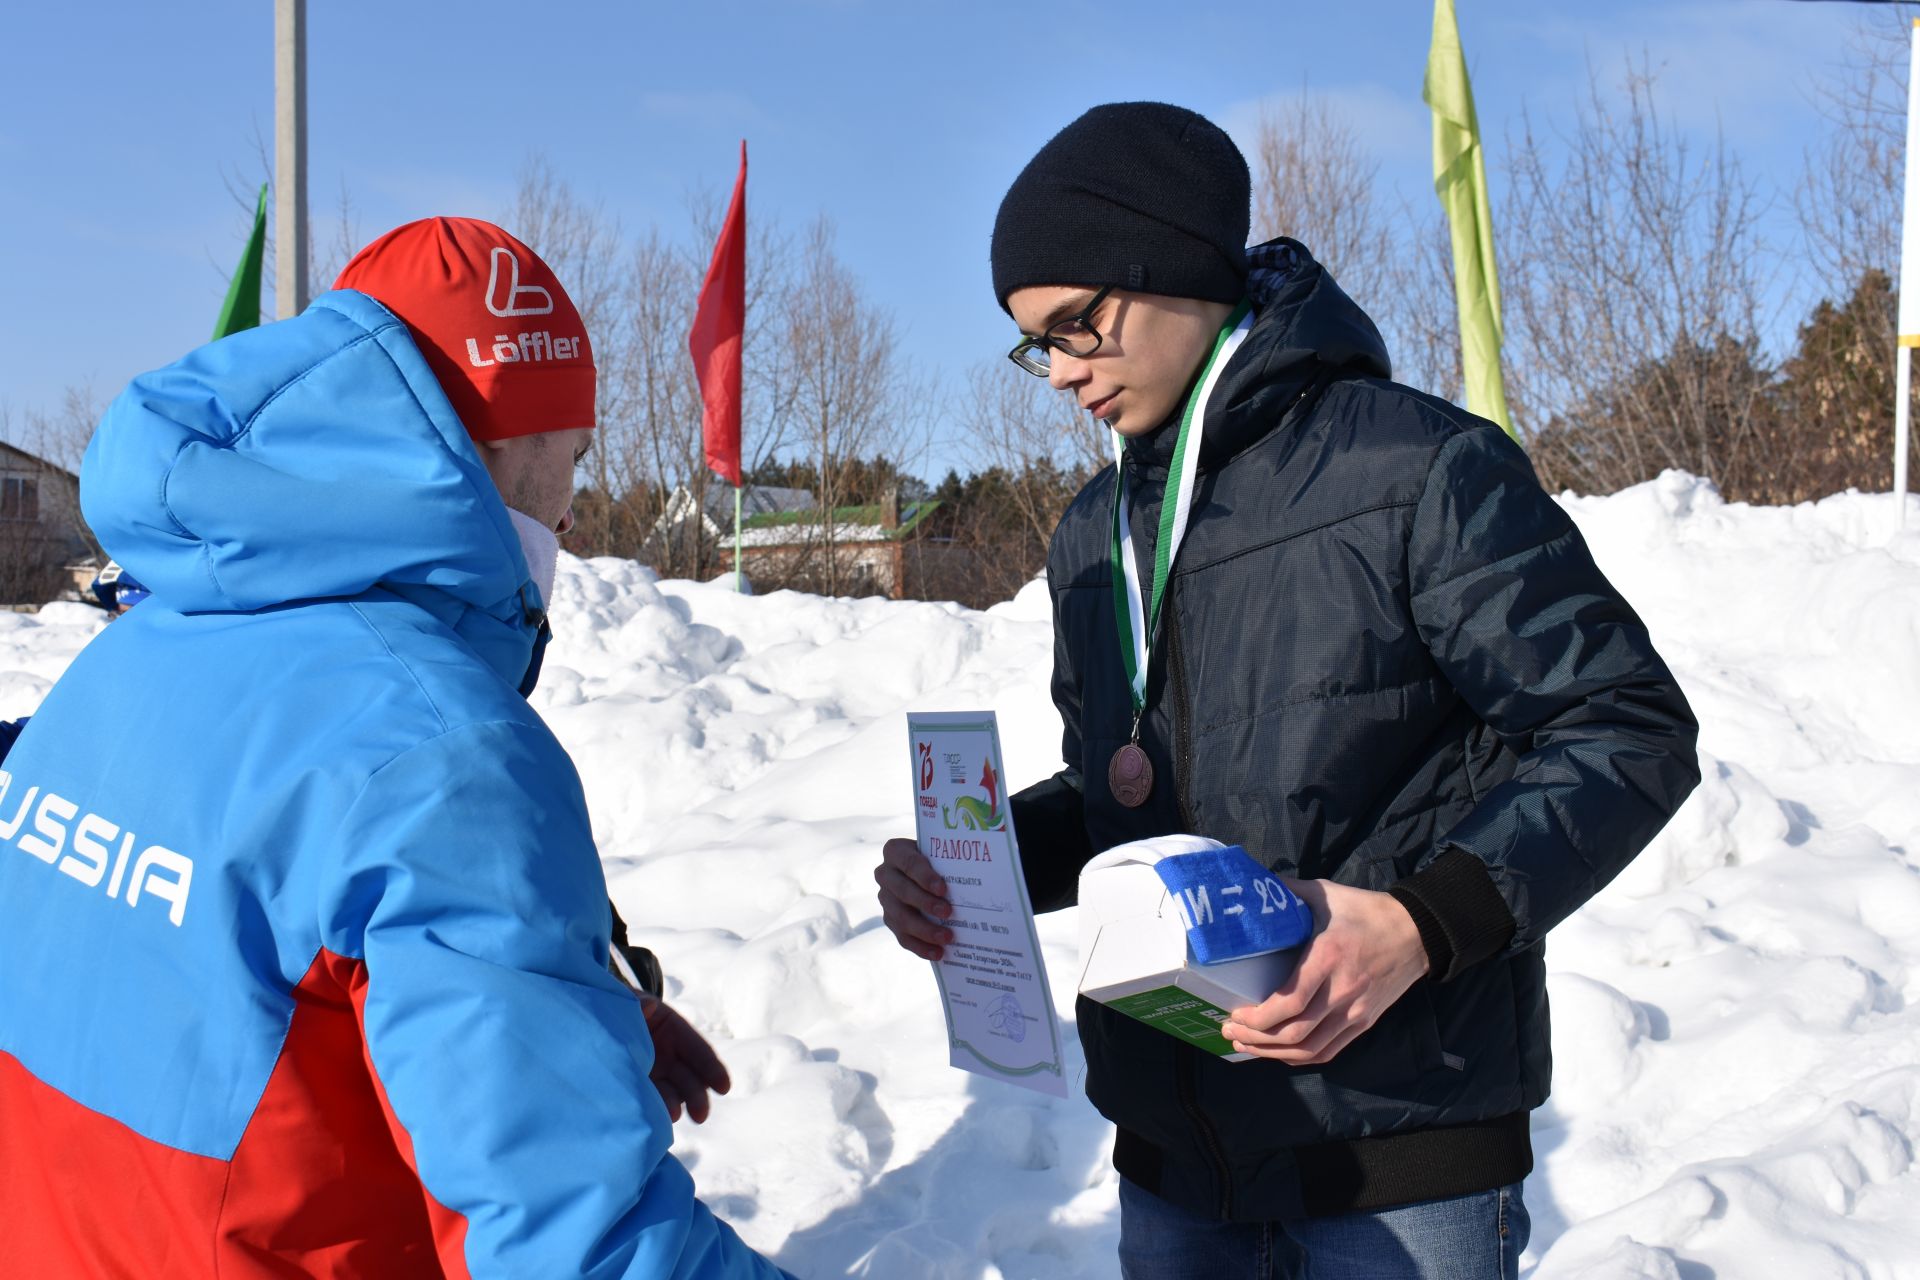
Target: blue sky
(902, 121)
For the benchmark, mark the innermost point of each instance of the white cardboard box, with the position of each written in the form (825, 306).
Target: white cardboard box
(1134, 956)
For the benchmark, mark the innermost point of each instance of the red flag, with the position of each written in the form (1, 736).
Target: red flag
(715, 336)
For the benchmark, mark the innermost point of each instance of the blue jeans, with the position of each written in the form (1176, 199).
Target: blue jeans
(1471, 1237)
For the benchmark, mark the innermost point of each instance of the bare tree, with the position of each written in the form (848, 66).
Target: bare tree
(345, 241)
(1419, 316)
(588, 253)
(1020, 424)
(1633, 289)
(852, 395)
(1032, 449)
(579, 240)
(32, 567)
(645, 487)
(650, 454)
(243, 185)
(61, 438)
(1839, 392)
(1317, 182)
(654, 449)
(1852, 185)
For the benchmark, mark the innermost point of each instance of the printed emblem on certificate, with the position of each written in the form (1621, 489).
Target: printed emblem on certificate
(993, 984)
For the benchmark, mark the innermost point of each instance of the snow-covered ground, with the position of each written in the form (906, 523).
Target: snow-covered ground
(1736, 1020)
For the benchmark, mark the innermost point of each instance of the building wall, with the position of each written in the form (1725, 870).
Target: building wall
(41, 532)
(863, 568)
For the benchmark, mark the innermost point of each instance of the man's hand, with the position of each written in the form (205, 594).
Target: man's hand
(685, 1066)
(1364, 954)
(911, 891)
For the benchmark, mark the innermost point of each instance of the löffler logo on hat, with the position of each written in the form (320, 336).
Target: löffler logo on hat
(452, 281)
(508, 306)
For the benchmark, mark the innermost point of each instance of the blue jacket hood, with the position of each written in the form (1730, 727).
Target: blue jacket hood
(312, 459)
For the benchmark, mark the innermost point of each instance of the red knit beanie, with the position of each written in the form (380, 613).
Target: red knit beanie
(496, 328)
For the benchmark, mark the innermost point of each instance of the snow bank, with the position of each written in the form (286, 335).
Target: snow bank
(1737, 1045)
(36, 647)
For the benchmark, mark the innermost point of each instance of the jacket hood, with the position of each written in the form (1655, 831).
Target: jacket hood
(1305, 326)
(312, 459)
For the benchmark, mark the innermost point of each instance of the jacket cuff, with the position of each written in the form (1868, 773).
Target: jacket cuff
(1049, 821)
(1461, 916)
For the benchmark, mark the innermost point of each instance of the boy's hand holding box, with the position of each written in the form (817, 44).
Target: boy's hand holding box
(1177, 930)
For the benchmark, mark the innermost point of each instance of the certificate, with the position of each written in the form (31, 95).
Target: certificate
(993, 984)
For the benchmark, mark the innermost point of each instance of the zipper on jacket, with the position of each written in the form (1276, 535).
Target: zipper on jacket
(1182, 717)
(1184, 1082)
(1184, 1089)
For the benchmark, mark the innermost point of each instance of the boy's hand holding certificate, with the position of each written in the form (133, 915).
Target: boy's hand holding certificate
(960, 899)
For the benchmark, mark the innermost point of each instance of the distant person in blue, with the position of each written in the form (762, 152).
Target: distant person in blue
(347, 1007)
(117, 592)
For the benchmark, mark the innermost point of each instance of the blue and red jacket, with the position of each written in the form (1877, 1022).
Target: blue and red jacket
(304, 968)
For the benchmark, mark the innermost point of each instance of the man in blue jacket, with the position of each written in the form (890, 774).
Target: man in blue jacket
(309, 973)
(1336, 621)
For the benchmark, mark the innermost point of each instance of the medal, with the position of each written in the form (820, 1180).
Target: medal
(1130, 776)
(1130, 773)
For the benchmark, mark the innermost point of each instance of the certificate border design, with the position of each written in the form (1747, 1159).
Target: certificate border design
(986, 722)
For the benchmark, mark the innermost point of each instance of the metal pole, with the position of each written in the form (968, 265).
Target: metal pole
(290, 156)
(737, 584)
(1902, 409)
(1907, 326)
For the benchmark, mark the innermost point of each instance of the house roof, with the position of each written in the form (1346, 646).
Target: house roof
(16, 458)
(850, 524)
(755, 501)
(716, 512)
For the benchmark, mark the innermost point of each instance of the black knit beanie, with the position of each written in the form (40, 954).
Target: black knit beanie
(1139, 195)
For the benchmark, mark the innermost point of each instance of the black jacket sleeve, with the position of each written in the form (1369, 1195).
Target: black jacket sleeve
(9, 733)
(1049, 818)
(1526, 628)
(1049, 823)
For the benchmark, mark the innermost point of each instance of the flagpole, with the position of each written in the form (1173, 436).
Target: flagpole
(736, 539)
(290, 156)
(1903, 389)
(1909, 326)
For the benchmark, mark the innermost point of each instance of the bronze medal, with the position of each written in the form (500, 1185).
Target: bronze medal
(1130, 776)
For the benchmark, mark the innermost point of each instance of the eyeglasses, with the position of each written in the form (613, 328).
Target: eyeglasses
(1075, 335)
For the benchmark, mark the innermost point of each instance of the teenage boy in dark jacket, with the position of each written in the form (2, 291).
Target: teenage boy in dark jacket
(1383, 661)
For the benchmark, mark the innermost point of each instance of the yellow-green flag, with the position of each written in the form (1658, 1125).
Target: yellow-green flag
(241, 310)
(1460, 178)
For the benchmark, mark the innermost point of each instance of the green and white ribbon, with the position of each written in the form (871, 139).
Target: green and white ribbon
(1140, 623)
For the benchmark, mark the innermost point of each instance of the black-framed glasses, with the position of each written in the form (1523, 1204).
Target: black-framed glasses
(1075, 335)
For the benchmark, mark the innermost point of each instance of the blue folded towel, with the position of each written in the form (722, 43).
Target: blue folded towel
(1234, 907)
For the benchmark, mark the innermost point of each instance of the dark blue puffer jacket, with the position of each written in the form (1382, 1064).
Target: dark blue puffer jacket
(1388, 660)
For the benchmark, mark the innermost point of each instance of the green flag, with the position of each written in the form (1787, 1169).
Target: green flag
(1460, 178)
(242, 307)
